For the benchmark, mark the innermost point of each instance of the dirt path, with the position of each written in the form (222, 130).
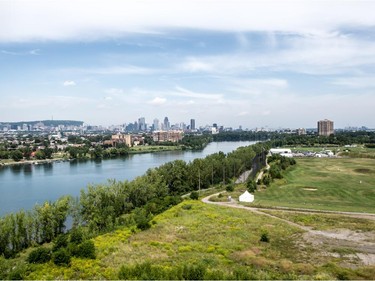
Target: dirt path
(337, 238)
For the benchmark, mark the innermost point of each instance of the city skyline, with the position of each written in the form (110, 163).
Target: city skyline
(250, 63)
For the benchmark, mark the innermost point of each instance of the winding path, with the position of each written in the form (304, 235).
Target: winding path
(347, 238)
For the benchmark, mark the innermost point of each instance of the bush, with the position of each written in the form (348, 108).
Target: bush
(229, 188)
(142, 219)
(61, 257)
(76, 235)
(194, 195)
(17, 273)
(251, 186)
(87, 250)
(40, 255)
(193, 272)
(264, 237)
(60, 242)
(187, 207)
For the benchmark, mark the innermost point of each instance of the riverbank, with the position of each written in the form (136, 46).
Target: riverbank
(64, 157)
(32, 162)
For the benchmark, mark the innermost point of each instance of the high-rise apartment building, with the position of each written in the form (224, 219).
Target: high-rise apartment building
(325, 127)
(192, 124)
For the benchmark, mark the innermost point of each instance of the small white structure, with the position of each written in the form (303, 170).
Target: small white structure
(246, 197)
(280, 150)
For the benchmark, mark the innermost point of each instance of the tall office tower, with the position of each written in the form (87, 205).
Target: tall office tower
(192, 124)
(156, 125)
(325, 127)
(142, 124)
(166, 124)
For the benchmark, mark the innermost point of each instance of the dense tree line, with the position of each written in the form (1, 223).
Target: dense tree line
(277, 165)
(283, 139)
(102, 207)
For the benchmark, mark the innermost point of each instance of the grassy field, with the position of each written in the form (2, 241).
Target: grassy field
(152, 148)
(356, 152)
(225, 241)
(340, 184)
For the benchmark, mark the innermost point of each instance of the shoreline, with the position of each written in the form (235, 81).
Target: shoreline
(49, 161)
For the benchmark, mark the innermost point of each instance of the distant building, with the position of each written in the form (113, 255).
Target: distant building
(156, 125)
(142, 124)
(166, 124)
(286, 152)
(325, 127)
(192, 124)
(163, 136)
(301, 131)
(121, 138)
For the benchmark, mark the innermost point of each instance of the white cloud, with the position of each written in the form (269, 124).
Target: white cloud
(182, 92)
(328, 53)
(114, 91)
(68, 83)
(195, 65)
(34, 52)
(243, 113)
(355, 82)
(40, 19)
(112, 70)
(158, 101)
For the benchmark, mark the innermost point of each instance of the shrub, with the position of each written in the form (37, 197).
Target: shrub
(187, 207)
(61, 257)
(194, 195)
(251, 186)
(40, 255)
(87, 250)
(76, 235)
(229, 188)
(142, 219)
(264, 237)
(193, 272)
(73, 249)
(61, 242)
(17, 273)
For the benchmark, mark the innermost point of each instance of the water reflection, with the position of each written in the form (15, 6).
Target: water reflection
(16, 169)
(28, 170)
(48, 169)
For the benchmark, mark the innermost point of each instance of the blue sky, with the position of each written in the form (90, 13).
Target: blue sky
(251, 63)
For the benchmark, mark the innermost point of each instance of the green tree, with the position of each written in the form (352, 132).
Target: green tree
(17, 155)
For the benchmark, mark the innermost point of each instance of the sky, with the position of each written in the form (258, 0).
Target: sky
(273, 64)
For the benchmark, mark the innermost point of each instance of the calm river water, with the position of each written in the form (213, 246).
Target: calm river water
(22, 186)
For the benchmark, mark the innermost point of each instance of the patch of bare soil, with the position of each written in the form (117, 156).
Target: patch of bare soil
(363, 171)
(356, 242)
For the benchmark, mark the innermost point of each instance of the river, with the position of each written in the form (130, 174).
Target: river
(22, 186)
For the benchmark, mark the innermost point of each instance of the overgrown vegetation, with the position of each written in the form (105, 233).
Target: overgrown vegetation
(102, 208)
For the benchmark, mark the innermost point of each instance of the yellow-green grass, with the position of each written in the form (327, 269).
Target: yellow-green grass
(357, 151)
(152, 148)
(340, 184)
(326, 221)
(221, 238)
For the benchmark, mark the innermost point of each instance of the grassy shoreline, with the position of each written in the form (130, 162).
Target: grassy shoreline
(132, 150)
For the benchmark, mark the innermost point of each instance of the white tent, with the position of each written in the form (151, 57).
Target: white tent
(246, 197)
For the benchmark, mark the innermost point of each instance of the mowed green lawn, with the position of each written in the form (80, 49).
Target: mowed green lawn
(340, 184)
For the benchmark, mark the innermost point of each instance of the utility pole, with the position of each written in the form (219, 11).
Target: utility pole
(224, 175)
(199, 184)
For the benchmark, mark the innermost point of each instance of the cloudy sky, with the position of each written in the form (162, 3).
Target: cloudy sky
(251, 63)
